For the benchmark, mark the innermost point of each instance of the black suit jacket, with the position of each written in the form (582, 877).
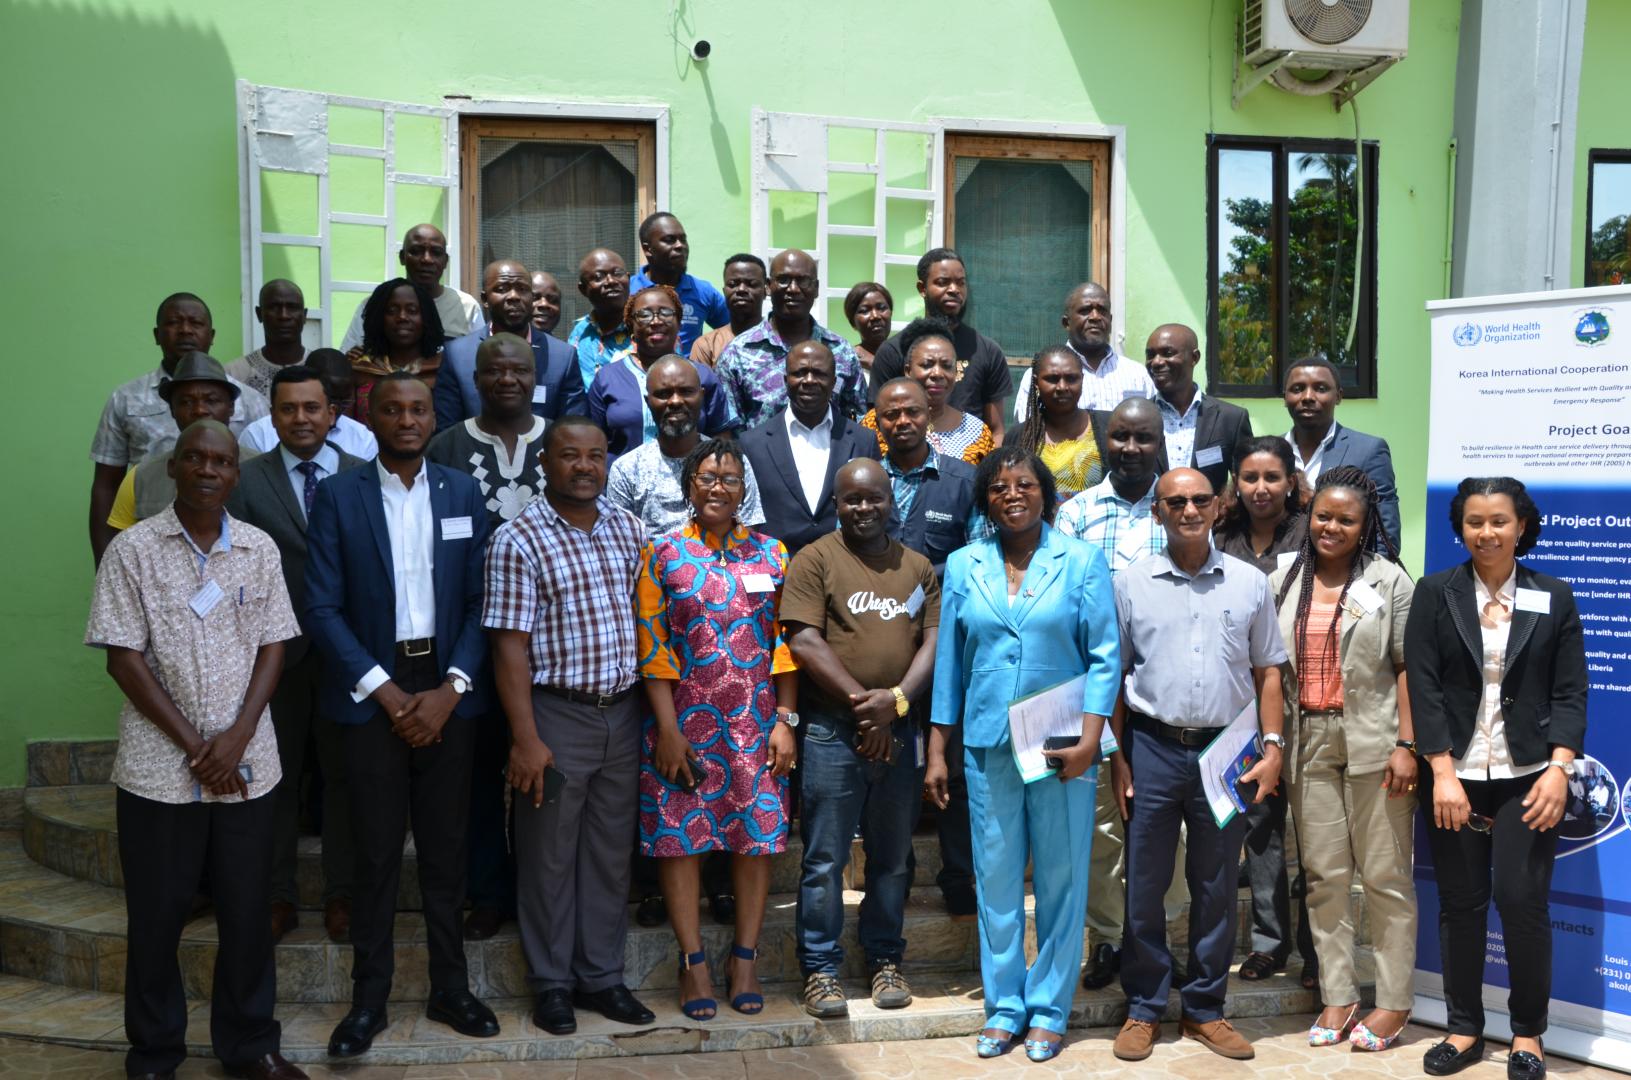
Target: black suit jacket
(264, 498)
(770, 451)
(1220, 425)
(1543, 694)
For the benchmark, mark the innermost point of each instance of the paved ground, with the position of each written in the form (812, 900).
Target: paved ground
(1282, 1054)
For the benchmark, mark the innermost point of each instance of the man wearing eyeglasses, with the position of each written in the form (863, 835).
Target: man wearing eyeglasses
(1200, 640)
(603, 280)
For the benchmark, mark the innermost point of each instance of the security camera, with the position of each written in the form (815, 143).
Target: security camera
(700, 48)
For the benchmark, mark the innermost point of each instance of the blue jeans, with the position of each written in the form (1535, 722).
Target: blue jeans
(841, 791)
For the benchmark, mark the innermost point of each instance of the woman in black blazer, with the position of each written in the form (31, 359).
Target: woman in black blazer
(1497, 676)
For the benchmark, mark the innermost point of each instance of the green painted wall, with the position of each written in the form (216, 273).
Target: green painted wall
(124, 187)
(1601, 123)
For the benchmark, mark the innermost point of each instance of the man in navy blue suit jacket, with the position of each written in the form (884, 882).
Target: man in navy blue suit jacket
(395, 553)
(1312, 393)
(506, 292)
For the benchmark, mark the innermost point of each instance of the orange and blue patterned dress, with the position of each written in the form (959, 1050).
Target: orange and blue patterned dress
(708, 619)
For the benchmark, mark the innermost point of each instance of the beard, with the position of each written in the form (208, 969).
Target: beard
(676, 427)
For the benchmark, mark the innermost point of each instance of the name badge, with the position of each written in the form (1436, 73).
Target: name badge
(205, 599)
(914, 603)
(1537, 600)
(1284, 559)
(1207, 456)
(1361, 593)
(540, 395)
(456, 528)
(758, 583)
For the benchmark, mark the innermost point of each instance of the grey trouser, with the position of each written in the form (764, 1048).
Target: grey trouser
(572, 855)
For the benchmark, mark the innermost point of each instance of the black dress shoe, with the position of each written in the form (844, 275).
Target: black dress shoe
(552, 1011)
(482, 923)
(615, 1003)
(1522, 1065)
(463, 1012)
(166, 1075)
(355, 1034)
(1103, 964)
(651, 911)
(1443, 1059)
(273, 1066)
(722, 907)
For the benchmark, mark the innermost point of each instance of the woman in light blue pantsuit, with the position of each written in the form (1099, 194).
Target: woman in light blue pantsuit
(1022, 611)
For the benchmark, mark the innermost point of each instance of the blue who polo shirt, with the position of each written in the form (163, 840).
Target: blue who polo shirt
(699, 299)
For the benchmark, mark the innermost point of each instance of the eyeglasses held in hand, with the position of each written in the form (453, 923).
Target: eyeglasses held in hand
(1176, 503)
(707, 480)
(1480, 822)
(653, 314)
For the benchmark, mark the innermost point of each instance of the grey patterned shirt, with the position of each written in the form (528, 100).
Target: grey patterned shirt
(145, 590)
(136, 423)
(646, 483)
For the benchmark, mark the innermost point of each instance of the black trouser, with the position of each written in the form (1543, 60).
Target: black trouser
(956, 876)
(1513, 865)
(164, 848)
(491, 863)
(389, 782)
(1266, 872)
(294, 716)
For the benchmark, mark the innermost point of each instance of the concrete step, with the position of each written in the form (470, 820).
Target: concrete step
(943, 1006)
(55, 762)
(66, 931)
(71, 829)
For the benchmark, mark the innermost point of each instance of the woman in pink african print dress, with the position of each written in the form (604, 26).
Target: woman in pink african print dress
(721, 684)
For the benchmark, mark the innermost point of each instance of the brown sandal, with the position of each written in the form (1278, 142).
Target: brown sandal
(1258, 966)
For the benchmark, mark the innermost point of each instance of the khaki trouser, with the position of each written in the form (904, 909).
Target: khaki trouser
(1107, 871)
(1348, 823)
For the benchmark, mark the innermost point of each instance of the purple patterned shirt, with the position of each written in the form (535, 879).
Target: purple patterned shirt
(753, 371)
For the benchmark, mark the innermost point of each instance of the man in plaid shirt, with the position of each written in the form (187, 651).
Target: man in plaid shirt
(1118, 516)
(560, 615)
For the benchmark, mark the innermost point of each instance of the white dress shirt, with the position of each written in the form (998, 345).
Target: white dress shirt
(412, 525)
(1180, 429)
(347, 434)
(327, 460)
(1316, 461)
(812, 446)
(1488, 756)
(1115, 379)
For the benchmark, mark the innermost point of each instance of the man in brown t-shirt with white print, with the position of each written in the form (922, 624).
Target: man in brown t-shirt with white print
(860, 612)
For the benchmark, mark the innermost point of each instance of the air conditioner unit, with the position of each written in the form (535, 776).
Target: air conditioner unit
(1335, 46)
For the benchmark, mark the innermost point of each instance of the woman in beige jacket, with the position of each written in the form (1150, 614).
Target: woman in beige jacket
(1351, 773)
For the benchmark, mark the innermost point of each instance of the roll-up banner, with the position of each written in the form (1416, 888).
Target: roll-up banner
(1538, 386)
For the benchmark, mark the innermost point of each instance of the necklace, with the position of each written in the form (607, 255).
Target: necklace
(1016, 572)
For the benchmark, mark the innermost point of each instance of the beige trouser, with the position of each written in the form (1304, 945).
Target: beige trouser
(1107, 872)
(1348, 823)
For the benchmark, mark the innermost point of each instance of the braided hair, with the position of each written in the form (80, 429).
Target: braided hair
(1372, 538)
(1033, 433)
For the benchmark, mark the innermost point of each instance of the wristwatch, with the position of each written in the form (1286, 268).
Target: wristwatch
(1406, 744)
(1275, 739)
(902, 706)
(788, 717)
(461, 686)
(1566, 766)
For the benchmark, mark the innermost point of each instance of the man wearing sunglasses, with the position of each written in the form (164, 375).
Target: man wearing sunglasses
(1200, 641)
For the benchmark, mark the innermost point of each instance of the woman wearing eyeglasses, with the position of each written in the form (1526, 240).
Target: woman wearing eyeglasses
(617, 397)
(723, 690)
(1023, 611)
(1497, 669)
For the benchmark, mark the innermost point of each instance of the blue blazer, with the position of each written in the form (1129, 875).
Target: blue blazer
(1371, 453)
(557, 371)
(991, 653)
(351, 586)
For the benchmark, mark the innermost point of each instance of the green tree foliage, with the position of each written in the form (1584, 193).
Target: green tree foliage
(1609, 261)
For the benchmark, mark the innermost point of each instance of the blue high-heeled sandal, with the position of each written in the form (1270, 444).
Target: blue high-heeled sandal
(697, 1008)
(746, 1002)
(987, 1047)
(1040, 1050)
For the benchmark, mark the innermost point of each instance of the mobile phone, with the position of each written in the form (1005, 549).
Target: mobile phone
(554, 783)
(1248, 790)
(1058, 742)
(699, 775)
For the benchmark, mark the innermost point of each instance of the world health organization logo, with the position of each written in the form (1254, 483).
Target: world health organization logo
(1468, 334)
(1590, 327)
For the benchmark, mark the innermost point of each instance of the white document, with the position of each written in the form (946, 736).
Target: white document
(1043, 715)
(1221, 753)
